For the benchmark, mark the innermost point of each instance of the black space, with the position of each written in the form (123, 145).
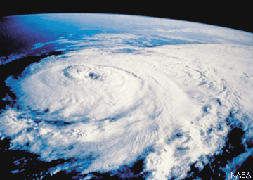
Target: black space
(233, 14)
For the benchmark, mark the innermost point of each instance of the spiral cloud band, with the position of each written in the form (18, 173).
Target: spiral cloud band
(166, 105)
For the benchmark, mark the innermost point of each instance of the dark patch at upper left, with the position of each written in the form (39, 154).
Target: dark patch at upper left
(15, 69)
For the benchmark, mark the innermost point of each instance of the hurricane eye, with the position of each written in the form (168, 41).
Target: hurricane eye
(93, 76)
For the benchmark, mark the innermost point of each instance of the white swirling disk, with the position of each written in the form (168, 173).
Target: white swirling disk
(120, 107)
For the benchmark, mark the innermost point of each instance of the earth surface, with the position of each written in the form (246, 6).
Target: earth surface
(102, 96)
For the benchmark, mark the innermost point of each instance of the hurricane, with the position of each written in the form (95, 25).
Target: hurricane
(172, 106)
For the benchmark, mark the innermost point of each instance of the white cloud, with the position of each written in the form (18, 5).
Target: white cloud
(119, 105)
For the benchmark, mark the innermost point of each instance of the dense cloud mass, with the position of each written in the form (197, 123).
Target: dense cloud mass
(171, 106)
(167, 105)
